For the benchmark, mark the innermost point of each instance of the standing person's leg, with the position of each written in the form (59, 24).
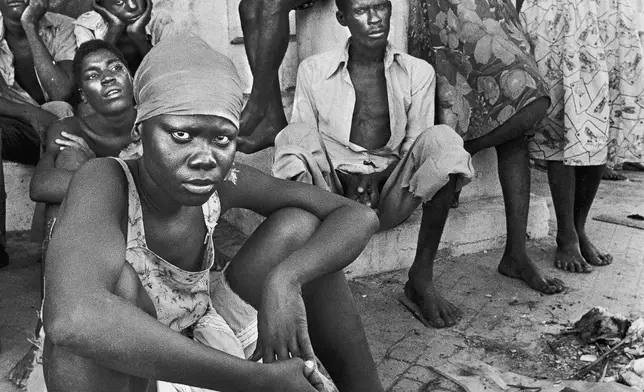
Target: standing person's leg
(587, 182)
(562, 180)
(334, 324)
(514, 175)
(265, 26)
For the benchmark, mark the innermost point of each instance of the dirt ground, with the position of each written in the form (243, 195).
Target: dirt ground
(505, 324)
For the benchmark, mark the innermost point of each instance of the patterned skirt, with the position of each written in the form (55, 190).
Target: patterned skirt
(590, 54)
(485, 72)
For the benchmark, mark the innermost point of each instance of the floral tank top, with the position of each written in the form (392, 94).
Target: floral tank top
(180, 297)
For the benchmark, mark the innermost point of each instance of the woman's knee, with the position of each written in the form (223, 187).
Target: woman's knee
(294, 225)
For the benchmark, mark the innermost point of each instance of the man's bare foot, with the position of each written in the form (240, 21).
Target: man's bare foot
(19, 374)
(591, 254)
(251, 117)
(437, 311)
(523, 268)
(613, 175)
(262, 138)
(568, 258)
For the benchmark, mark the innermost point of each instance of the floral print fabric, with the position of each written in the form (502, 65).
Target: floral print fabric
(180, 297)
(485, 72)
(591, 56)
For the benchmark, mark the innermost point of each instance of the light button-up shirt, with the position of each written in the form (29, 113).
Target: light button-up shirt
(325, 99)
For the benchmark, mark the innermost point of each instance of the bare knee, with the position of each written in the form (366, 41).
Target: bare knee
(294, 226)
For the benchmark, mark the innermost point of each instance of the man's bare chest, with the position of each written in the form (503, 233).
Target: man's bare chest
(370, 125)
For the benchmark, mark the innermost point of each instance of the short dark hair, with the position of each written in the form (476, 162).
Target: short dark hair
(88, 48)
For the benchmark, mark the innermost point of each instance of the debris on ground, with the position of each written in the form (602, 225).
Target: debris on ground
(619, 343)
(598, 324)
(472, 375)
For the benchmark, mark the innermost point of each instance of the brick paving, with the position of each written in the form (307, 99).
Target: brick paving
(504, 322)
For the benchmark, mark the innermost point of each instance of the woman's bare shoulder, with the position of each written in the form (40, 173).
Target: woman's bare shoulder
(99, 181)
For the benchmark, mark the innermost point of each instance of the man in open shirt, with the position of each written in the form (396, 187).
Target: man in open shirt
(363, 126)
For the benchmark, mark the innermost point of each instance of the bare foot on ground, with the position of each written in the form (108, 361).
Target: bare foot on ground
(19, 374)
(591, 254)
(523, 268)
(613, 175)
(437, 311)
(568, 258)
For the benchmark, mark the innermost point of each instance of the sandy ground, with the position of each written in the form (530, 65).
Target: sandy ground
(505, 324)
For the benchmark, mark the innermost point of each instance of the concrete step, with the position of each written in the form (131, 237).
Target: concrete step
(475, 226)
(20, 208)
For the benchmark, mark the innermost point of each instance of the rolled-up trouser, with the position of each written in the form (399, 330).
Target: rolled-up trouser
(300, 155)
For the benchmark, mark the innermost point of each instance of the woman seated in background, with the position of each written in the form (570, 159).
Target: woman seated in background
(127, 277)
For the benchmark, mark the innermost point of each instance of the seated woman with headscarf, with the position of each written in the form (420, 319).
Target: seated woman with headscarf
(127, 300)
(105, 84)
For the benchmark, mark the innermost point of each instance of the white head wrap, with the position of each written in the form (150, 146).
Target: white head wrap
(183, 75)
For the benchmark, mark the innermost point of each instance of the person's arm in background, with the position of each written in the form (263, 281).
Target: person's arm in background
(64, 154)
(55, 77)
(14, 106)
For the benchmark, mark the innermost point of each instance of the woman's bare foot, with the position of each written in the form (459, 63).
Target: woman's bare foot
(523, 268)
(439, 312)
(591, 254)
(19, 374)
(613, 175)
(568, 258)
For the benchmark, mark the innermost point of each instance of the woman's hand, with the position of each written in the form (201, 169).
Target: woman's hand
(293, 375)
(69, 140)
(282, 324)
